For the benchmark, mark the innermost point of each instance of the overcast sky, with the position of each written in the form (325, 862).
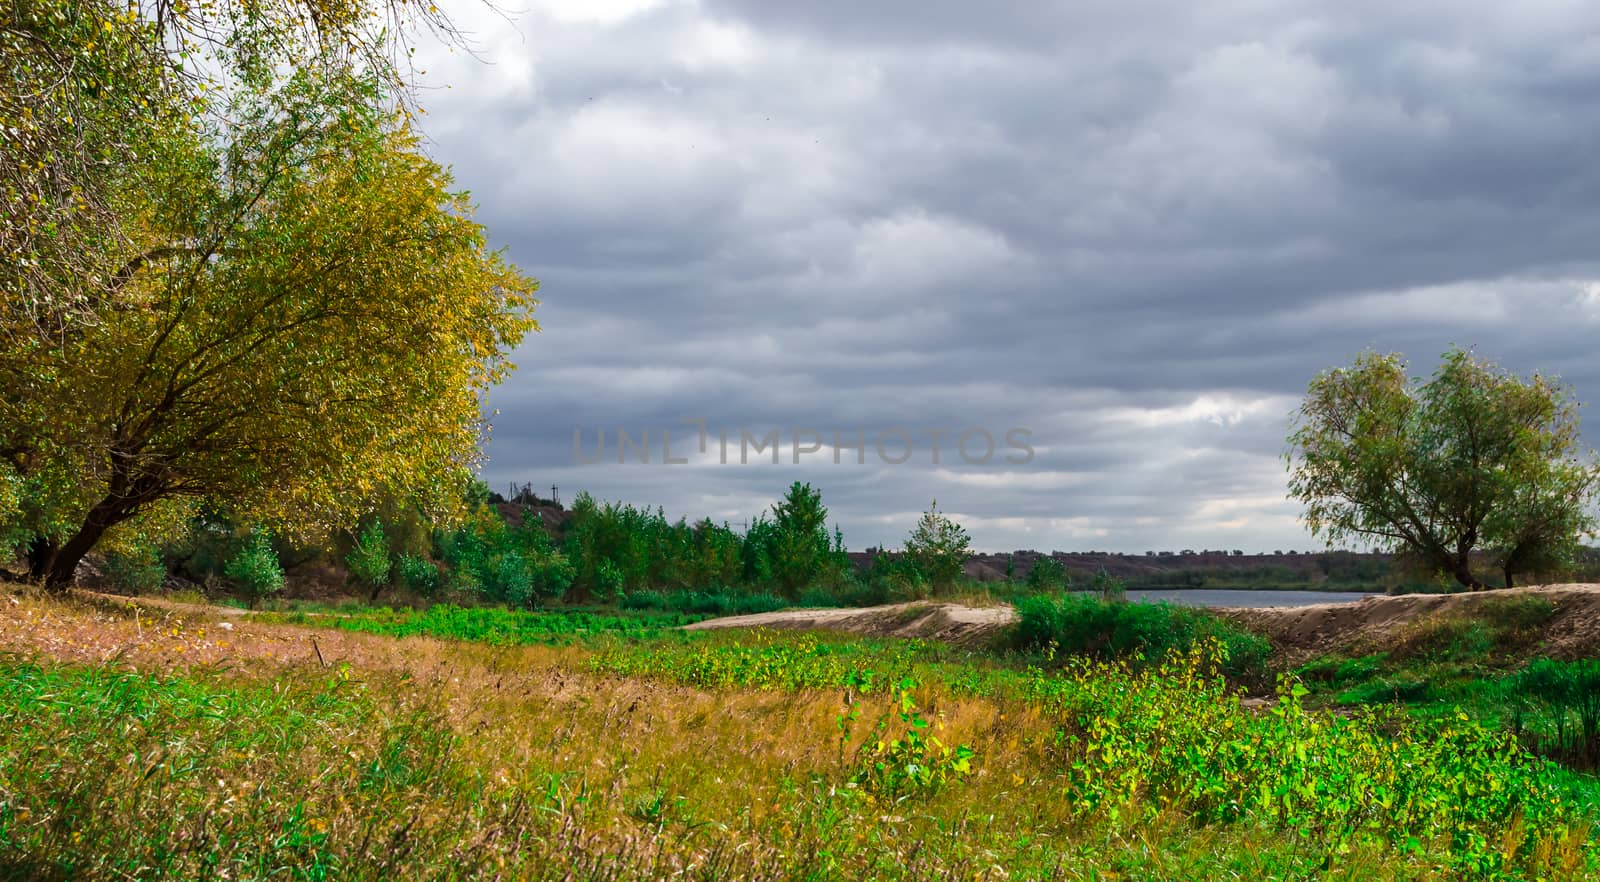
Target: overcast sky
(1135, 228)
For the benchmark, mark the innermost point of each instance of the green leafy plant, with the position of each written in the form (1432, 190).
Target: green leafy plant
(911, 761)
(255, 569)
(1047, 574)
(418, 574)
(1110, 588)
(138, 569)
(609, 581)
(369, 561)
(1558, 708)
(1090, 626)
(938, 547)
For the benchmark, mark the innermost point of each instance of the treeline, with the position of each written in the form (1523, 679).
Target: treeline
(633, 556)
(1330, 570)
(596, 552)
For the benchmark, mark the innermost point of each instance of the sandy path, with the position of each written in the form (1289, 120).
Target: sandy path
(950, 622)
(1367, 624)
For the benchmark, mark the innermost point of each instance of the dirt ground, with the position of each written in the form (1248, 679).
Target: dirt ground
(949, 622)
(1573, 632)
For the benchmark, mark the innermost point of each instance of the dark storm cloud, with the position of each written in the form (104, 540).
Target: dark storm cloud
(1137, 229)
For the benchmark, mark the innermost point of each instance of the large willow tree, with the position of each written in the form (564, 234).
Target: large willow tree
(230, 273)
(1473, 462)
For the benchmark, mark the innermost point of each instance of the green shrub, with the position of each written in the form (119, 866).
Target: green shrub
(255, 569)
(418, 574)
(703, 602)
(1361, 668)
(552, 575)
(1109, 587)
(871, 594)
(511, 580)
(650, 600)
(907, 583)
(1400, 688)
(818, 597)
(465, 582)
(916, 763)
(1528, 611)
(938, 547)
(717, 602)
(609, 581)
(747, 604)
(1448, 638)
(515, 564)
(1088, 626)
(1339, 671)
(137, 570)
(1046, 574)
(369, 560)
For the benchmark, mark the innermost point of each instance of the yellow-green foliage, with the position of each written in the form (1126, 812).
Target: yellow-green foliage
(282, 305)
(1173, 737)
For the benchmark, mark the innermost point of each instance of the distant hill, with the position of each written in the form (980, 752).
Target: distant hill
(554, 516)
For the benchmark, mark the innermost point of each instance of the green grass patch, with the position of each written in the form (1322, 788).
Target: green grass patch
(500, 626)
(704, 603)
(790, 661)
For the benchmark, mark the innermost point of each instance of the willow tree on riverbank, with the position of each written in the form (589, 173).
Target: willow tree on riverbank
(231, 274)
(1473, 461)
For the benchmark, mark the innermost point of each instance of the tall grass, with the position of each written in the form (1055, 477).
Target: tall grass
(1557, 708)
(112, 774)
(713, 602)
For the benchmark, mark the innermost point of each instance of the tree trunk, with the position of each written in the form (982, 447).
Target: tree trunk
(41, 555)
(1462, 570)
(1509, 582)
(57, 568)
(64, 567)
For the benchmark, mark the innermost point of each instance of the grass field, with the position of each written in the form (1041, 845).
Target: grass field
(497, 625)
(182, 745)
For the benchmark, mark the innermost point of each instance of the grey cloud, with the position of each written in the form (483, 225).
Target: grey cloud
(846, 216)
